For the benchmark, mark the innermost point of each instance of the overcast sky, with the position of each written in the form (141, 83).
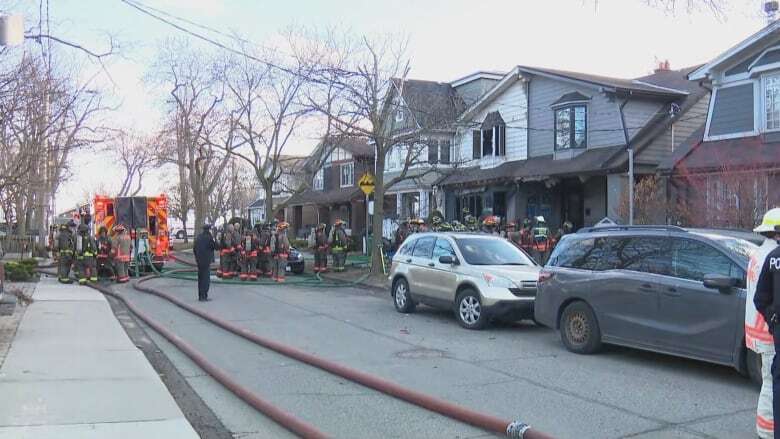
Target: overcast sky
(448, 39)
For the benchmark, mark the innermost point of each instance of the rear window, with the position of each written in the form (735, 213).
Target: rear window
(580, 253)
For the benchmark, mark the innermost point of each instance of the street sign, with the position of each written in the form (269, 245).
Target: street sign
(366, 183)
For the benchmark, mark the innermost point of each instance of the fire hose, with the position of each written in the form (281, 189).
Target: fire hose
(513, 430)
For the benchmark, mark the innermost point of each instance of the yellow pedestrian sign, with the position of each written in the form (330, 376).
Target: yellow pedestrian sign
(366, 183)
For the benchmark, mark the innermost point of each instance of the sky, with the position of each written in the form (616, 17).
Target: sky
(447, 40)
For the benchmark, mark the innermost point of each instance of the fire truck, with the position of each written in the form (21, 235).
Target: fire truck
(138, 215)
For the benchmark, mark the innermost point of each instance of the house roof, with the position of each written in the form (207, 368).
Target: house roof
(433, 104)
(742, 153)
(574, 96)
(705, 70)
(615, 84)
(589, 162)
(481, 74)
(334, 196)
(682, 150)
(260, 202)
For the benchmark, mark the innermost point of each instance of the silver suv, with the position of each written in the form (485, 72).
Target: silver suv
(479, 277)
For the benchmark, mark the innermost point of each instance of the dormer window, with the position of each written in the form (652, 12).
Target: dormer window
(772, 102)
(399, 115)
(319, 180)
(571, 127)
(490, 140)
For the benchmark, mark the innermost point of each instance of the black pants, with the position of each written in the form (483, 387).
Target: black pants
(204, 281)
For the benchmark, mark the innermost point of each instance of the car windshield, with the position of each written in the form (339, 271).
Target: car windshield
(489, 251)
(737, 246)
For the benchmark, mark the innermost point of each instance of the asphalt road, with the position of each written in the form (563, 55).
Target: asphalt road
(512, 371)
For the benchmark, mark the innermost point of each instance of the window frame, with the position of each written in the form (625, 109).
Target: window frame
(351, 167)
(764, 119)
(572, 109)
(713, 248)
(421, 239)
(319, 180)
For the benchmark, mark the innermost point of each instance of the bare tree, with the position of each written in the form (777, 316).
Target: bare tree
(137, 154)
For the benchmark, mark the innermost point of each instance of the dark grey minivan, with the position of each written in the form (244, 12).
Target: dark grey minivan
(665, 289)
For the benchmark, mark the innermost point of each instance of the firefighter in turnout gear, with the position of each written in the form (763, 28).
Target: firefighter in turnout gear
(338, 245)
(104, 252)
(248, 255)
(86, 250)
(512, 234)
(65, 247)
(226, 253)
(320, 249)
(757, 335)
(121, 248)
(264, 258)
(235, 265)
(490, 225)
(281, 249)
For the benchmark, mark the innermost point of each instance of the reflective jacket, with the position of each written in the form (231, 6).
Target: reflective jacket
(104, 246)
(65, 242)
(757, 336)
(120, 247)
(85, 246)
(282, 244)
(338, 239)
(320, 240)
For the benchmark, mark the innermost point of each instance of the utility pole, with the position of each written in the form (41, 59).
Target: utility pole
(630, 164)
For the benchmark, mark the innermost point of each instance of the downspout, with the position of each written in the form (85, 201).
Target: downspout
(630, 163)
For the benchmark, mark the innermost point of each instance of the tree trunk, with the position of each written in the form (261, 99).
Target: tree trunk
(269, 202)
(377, 270)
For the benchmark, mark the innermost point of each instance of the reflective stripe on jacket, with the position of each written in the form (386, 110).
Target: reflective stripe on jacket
(757, 336)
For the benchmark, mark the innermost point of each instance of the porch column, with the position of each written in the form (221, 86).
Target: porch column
(398, 204)
(424, 204)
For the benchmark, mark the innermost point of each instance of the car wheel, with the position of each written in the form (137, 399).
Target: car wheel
(580, 331)
(469, 311)
(180, 234)
(753, 367)
(401, 298)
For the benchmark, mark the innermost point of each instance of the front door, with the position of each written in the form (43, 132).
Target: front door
(696, 320)
(573, 204)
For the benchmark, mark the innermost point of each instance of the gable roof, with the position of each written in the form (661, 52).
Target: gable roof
(480, 74)
(705, 70)
(574, 96)
(617, 85)
(433, 104)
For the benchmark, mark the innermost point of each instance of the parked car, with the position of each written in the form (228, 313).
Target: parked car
(479, 277)
(295, 263)
(665, 289)
(180, 233)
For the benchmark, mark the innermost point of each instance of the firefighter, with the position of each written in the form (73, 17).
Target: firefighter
(757, 335)
(221, 244)
(226, 253)
(320, 249)
(120, 248)
(104, 252)
(338, 245)
(526, 236)
(64, 248)
(489, 224)
(235, 265)
(512, 234)
(401, 233)
(436, 223)
(265, 244)
(471, 223)
(248, 252)
(281, 251)
(86, 249)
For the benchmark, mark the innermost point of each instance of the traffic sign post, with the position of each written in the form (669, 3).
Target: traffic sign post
(367, 185)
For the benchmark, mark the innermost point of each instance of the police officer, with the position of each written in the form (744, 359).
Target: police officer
(64, 247)
(338, 245)
(762, 288)
(767, 301)
(320, 249)
(281, 250)
(204, 255)
(104, 252)
(121, 248)
(86, 249)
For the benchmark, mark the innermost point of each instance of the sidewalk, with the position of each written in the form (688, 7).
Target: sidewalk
(72, 372)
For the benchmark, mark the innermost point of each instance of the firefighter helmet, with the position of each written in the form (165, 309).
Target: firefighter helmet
(119, 228)
(490, 220)
(338, 222)
(282, 225)
(321, 226)
(770, 223)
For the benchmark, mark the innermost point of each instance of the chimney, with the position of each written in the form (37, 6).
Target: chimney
(663, 66)
(770, 9)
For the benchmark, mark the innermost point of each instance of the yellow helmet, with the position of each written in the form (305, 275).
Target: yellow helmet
(770, 223)
(282, 225)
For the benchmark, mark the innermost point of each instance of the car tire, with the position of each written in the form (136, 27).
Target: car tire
(469, 311)
(753, 367)
(580, 331)
(180, 234)
(402, 298)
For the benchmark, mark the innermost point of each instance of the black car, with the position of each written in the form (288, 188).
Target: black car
(659, 288)
(295, 263)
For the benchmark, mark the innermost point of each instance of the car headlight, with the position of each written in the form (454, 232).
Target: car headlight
(498, 281)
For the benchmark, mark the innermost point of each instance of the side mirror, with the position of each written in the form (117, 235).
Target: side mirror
(448, 259)
(718, 282)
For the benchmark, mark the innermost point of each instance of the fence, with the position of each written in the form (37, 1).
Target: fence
(21, 245)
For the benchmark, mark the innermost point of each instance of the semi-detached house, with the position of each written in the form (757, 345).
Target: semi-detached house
(537, 141)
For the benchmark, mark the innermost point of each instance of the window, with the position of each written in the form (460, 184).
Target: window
(645, 254)
(319, 180)
(399, 115)
(487, 142)
(348, 174)
(407, 247)
(586, 254)
(424, 247)
(474, 205)
(693, 260)
(433, 151)
(476, 144)
(487, 251)
(571, 127)
(443, 248)
(444, 152)
(772, 102)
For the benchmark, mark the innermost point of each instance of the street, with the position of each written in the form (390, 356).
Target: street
(511, 371)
